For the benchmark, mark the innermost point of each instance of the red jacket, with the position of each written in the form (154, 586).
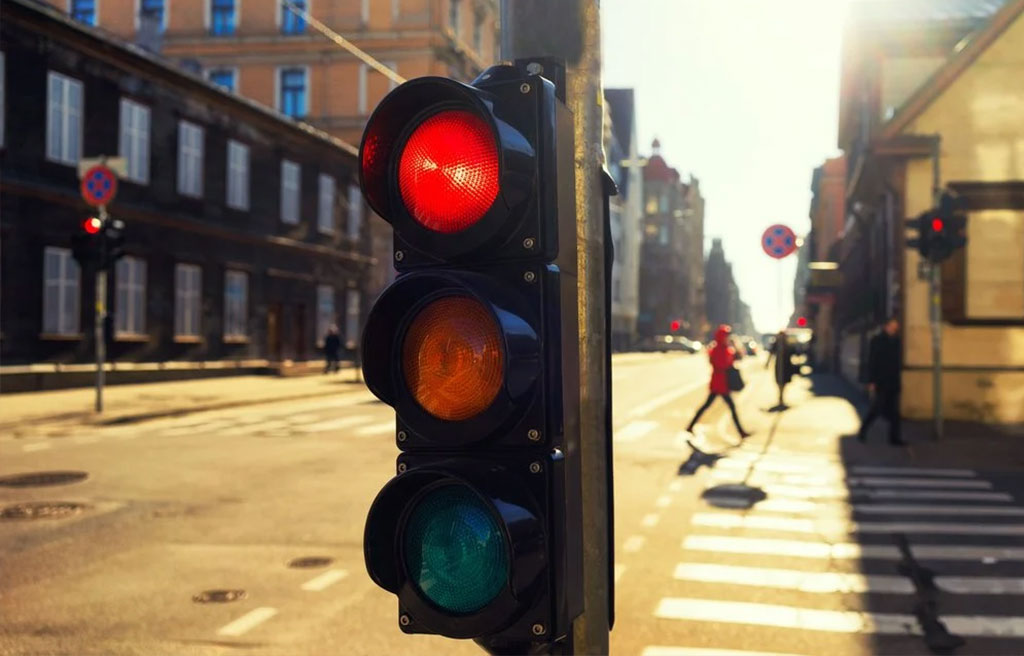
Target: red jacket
(722, 356)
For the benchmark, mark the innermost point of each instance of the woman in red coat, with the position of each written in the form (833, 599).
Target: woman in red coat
(722, 357)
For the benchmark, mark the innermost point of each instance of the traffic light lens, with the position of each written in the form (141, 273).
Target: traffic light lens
(454, 550)
(448, 171)
(452, 358)
(92, 225)
(937, 225)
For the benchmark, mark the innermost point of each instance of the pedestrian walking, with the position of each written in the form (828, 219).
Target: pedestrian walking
(783, 355)
(885, 365)
(332, 350)
(722, 357)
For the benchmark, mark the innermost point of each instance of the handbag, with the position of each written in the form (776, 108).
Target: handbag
(736, 383)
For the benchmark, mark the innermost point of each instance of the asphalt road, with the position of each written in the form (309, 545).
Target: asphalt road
(226, 500)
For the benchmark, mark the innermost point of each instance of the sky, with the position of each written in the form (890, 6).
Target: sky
(743, 94)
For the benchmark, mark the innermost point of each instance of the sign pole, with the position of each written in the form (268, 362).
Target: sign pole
(101, 313)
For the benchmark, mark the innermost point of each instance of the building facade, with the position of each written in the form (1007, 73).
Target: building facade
(244, 237)
(724, 303)
(625, 167)
(262, 50)
(932, 90)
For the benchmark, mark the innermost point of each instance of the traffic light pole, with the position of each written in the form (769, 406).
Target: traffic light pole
(101, 314)
(570, 30)
(935, 301)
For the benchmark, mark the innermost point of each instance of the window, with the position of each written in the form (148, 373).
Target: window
(188, 280)
(292, 23)
(396, 9)
(355, 212)
(190, 159)
(325, 209)
(64, 119)
(153, 10)
(663, 235)
(238, 175)
(291, 95)
(364, 11)
(3, 95)
(130, 311)
(453, 15)
(134, 141)
(224, 77)
(290, 174)
(994, 261)
(664, 202)
(236, 304)
(352, 317)
(478, 32)
(60, 292)
(222, 17)
(362, 89)
(83, 10)
(324, 311)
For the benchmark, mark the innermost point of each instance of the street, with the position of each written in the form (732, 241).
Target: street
(221, 503)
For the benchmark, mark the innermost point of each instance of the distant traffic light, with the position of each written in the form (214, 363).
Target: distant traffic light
(87, 243)
(941, 230)
(802, 322)
(675, 325)
(92, 225)
(475, 346)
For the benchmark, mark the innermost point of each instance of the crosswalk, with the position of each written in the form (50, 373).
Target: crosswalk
(820, 557)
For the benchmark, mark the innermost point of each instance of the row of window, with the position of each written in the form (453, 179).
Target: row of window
(455, 22)
(62, 292)
(64, 145)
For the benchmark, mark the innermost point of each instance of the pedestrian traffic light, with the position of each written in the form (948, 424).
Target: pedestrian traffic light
(941, 230)
(86, 242)
(113, 242)
(475, 346)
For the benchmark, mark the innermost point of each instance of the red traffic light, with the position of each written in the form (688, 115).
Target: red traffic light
(675, 325)
(802, 322)
(92, 225)
(937, 225)
(448, 171)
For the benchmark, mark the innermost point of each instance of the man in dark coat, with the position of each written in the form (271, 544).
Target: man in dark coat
(332, 349)
(885, 365)
(783, 355)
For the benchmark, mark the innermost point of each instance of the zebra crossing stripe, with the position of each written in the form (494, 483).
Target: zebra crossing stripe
(845, 550)
(333, 424)
(820, 469)
(656, 650)
(818, 480)
(813, 526)
(912, 471)
(838, 582)
(634, 430)
(800, 506)
(833, 621)
(838, 492)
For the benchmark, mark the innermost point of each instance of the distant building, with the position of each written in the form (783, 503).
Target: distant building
(626, 169)
(724, 304)
(242, 244)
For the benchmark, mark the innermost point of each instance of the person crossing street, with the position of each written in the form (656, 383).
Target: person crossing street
(722, 357)
(885, 364)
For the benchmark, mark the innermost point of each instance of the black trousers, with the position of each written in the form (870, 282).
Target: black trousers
(333, 364)
(707, 404)
(885, 403)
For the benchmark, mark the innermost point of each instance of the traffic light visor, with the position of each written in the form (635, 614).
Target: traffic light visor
(448, 171)
(452, 358)
(454, 550)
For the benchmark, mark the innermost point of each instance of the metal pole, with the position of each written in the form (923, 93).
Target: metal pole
(935, 301)
(570, 30)
(101, 311)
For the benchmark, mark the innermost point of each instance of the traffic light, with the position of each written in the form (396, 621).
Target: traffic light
(941, 230)
(674, 325)
(86, 242)
(475, 346)
(802, 322)
(113, 242)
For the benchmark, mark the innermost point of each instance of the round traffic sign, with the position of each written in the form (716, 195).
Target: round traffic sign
(778, 241)
(99, 185)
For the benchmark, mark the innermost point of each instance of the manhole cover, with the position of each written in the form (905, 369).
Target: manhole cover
(41, 510)
(734, 495)
(42, 479)
(311, 561)
(218, 596)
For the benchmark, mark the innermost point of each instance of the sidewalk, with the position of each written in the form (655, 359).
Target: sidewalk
(33, 412)
(825, 407)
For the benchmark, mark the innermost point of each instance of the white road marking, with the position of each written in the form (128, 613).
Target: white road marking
(634, 430)
(650, 520)
(37, 446)
(656, 650)
(845, 551)
(663, 501)
(248, 621)
(772, 466)
(819, 480)
(800, 506)
(325, 580)
(645, 409)
(832, 526)
(333, 424)
(86, 439)
(619, 571)
(840, 492)
(377, 429)
(675, 485)
(634, 543)
(912, 471)
(919, 482)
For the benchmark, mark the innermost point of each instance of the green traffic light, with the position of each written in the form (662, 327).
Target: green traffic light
(455, 550)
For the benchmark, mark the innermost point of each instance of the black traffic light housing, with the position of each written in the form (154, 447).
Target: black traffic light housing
(940, 230)
(516, 262)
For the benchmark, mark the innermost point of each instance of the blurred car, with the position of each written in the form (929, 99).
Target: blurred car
(666, 343)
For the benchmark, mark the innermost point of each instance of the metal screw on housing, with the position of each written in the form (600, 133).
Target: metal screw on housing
(402, 436)
(529, 276)
(535, 467)
(524, 88)
(399, 255)
(404, 620)
(538, 629)
(534, 68)
(529, 242)
(533, 434)
(402, 467)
